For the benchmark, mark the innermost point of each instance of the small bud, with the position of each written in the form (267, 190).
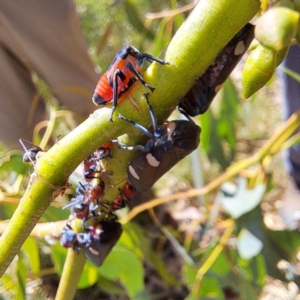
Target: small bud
(277, 27)
(258, 70)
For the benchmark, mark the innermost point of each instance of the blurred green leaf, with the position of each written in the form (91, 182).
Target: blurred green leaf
(89, 276)
(125, 266)
(210, 289)
(228, 115)
(189, 273)
(58, 255)
(216, 152)
(31, 248)
(206, 128)
(53, 214)
(109, 286)
(13, 161)
(136, 22)
(162, 38)
(277, 245)
(21, 273)
(135, 239)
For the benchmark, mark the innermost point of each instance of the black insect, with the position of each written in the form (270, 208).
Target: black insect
(167, 145)
(32, 154)
(97, 241)
(200, 96)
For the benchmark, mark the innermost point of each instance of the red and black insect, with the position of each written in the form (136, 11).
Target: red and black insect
(91, 165)
(166, 147)
(126, 194)
(97, 241)
(120, 75)
(87, 200)
(200, 96)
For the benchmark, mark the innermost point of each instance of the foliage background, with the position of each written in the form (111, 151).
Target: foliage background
(166, 246)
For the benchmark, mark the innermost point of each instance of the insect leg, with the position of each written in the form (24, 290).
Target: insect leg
(136, 125)
(130, 67)
(150, 58)
(121, 75)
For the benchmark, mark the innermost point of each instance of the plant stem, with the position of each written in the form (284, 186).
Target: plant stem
(70, 276)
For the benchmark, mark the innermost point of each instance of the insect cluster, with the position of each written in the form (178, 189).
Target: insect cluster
(167, 145)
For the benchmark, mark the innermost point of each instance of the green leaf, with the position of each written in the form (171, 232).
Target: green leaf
(209, 286)
(135, 239)
(277, 245)
(58, 255)
(127, 267)
(31, 248)
(89, 276)
(162, 38)
(211, 289)
(13, 161)
(110, 287)
(216, 151)
(206, 131)
(189, 273)
(21, 273)
(136, 21)
(53, 214)
(228, 114)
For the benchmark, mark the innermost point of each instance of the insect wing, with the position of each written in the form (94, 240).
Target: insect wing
(186, 138)
(99, 249)
(200, 96)
(147, 167)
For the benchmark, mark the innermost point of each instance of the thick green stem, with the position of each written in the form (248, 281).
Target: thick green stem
(208, 29)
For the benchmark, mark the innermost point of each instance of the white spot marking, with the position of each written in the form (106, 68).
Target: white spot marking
(133, 172)
(170, 129)
(93, 251)
(240, 48)
(152, 160)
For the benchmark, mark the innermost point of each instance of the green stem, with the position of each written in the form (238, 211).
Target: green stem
(208, 29)
(70, 276)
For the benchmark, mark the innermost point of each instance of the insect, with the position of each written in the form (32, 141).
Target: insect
(120, 75)
(32, 154)
(126, 194)
(167, 145)
(91, 165)
(97, 240)
(200, 96)
(87, 201)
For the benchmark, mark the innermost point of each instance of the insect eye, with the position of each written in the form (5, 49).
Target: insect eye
(175, 134)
